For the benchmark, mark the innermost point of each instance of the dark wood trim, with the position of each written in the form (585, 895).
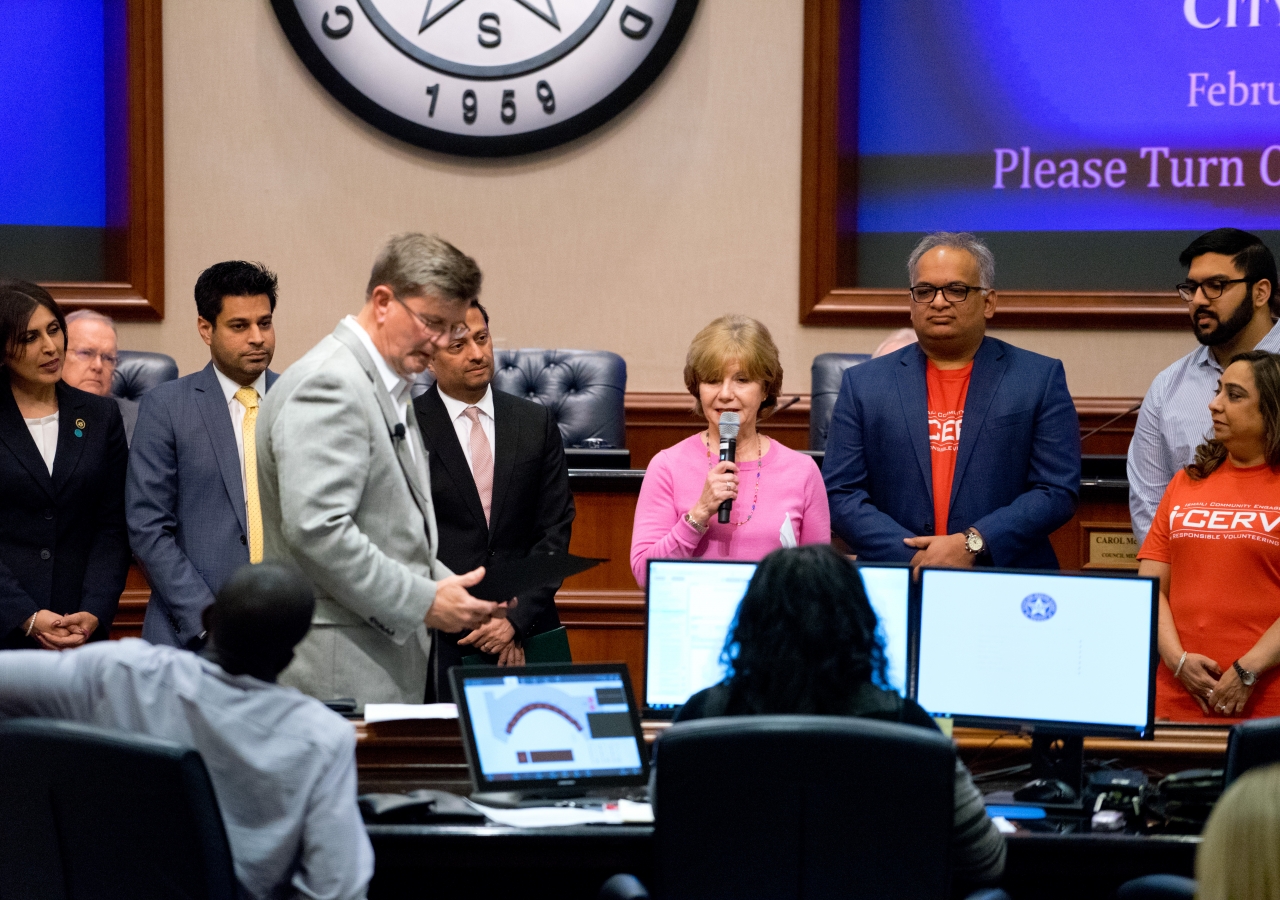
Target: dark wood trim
(824, 302)
(135, 171)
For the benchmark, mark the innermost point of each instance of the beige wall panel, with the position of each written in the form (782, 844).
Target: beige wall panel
(684, 207)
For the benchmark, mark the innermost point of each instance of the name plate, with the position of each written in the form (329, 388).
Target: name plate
(1112, 550)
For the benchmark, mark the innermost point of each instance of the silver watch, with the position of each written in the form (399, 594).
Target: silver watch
(1247, 678)
(973, 541)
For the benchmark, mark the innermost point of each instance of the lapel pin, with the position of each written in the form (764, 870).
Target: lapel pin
(79, 428)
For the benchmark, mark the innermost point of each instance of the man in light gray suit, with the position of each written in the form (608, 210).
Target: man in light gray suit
(345, 487)
(186, 492)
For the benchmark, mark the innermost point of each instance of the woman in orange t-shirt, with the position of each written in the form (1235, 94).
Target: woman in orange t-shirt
(1215, 545)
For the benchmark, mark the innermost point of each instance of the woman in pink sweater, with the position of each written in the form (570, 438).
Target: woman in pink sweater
(778, 496)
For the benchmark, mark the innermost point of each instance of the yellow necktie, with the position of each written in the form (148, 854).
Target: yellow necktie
(248, 398)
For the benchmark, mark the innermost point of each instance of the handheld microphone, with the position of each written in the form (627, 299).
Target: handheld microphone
(397, 433)
(729, 424)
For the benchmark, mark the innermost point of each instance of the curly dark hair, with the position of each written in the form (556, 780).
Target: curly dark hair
(1266, 376)
(805, 638)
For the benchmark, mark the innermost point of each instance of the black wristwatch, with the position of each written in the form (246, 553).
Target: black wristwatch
(1247, 678)
(973, 541)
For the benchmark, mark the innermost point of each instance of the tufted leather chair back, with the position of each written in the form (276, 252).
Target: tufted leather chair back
(584, 389)
(140, 371)
(826, 374)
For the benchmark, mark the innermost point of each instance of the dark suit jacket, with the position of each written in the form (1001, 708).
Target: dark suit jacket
(62, 537)
(1017, 475)
(532, 509)
(185, 503)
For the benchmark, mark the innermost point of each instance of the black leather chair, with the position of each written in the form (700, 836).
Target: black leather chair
(1158, 887)
(824, 387)
(789, 807)
(1250, 744)
(139, 371)
(584, 389)
(92, 814)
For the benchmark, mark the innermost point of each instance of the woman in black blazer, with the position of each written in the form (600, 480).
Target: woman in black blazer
(64, 548)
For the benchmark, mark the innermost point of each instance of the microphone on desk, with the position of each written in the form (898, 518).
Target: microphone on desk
(792, 402)
(1110, 421)
(729, 424)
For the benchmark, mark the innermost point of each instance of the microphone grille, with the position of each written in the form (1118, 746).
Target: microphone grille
(729, 423)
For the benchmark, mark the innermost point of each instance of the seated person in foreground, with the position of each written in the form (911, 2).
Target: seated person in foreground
(732, 366)
(1239, 853)
(282, 765)
(960, 449)
(1213, 545)
(805, 642)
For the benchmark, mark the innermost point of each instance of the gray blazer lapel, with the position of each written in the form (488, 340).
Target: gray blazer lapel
(414, 472)
(212, 404)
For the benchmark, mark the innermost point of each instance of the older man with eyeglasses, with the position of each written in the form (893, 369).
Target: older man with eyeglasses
(345, 488)
(960, 449)
(92, 357)
(1231, 295)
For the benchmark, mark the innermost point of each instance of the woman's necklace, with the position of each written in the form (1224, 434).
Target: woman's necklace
(756, 495)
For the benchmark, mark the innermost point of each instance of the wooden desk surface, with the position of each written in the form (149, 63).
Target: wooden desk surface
(401, 756)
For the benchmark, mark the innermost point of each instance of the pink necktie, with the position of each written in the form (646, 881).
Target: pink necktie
(481, 460)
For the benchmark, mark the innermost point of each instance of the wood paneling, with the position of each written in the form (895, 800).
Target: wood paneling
(656, 421)
(824, 302)
(135, 176)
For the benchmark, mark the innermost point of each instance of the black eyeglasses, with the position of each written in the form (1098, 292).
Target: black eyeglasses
(1212, 288)
(956, 292)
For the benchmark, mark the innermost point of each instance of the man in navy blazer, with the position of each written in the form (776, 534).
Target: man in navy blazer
(992, 421)
(186, 491)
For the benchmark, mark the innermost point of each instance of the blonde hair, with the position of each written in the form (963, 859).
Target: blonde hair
(1239, 856)
(734, 339)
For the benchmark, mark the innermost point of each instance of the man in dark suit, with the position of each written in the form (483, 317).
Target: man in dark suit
(960, 449)
(500, 486)
(194, 516)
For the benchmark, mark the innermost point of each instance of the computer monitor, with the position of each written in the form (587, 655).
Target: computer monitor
(543, 732)
(692, 603)
(1069, 652)
(1059, 654)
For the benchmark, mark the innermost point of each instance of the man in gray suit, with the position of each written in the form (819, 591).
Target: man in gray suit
(345, 489)
(186, 494)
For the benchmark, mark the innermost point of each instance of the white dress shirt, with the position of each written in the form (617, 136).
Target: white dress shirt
(1173, 421)
(396, 386)
(44, 431)
(283, 767)
(462, 425)
(237, 410)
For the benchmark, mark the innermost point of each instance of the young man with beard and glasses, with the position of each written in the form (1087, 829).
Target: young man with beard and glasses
(1231, 293)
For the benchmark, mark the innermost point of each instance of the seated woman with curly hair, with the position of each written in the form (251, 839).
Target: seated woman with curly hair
(805, 642)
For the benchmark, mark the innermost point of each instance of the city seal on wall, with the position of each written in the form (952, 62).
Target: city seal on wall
(1038, 607)
(485, 77)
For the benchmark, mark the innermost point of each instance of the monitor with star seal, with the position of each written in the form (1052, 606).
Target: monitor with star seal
(485, 77)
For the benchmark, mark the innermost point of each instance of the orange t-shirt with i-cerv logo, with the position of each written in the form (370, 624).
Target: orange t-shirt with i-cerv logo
(947, 390)
(1221, 538)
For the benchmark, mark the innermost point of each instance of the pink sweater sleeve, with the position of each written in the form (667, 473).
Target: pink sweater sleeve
(815, 528)
(659, 530)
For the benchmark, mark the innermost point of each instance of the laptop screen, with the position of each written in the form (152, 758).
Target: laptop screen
(560, 724)
(1075, 652)
(692, 604)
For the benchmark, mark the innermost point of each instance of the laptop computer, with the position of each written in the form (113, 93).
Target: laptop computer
(550, 735)
(691, 604)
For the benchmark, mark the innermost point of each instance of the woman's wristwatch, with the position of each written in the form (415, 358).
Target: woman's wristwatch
(693, 523)
(1247, 678)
